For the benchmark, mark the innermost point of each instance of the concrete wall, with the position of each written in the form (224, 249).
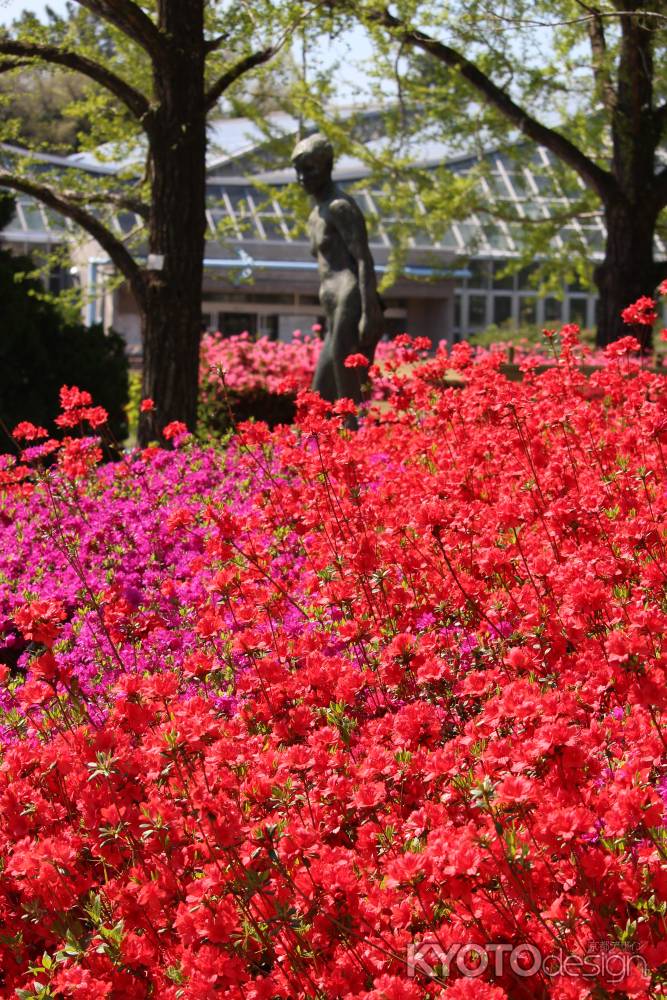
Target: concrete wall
(282, 294)
(430, 318)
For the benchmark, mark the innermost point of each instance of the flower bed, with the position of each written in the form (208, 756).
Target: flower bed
(314, 715)
(242, 378)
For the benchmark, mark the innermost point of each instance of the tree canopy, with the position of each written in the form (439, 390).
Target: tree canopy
(585, 80)
(44, 106)
(40, 350)
(155, 70)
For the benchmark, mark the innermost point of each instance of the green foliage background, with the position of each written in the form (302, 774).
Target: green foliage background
(40, 351)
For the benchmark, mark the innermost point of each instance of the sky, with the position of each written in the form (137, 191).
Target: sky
(355, 47)
(9, 9)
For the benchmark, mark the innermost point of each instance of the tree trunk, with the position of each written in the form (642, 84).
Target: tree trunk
(628, 270)
(631, 212)
(171, 304)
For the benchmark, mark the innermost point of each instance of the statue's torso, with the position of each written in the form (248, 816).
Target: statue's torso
(326, 242)
(339, 277)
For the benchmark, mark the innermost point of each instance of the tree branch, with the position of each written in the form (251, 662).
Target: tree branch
(596, 35)
(244, 65)
(213, 44)
(132, 21)
(661, 188)
(660, 116)
(66, 205)
(131, 98)
(565, 22)
(7, 65)
(557, 218)
(122, 201)
(601, 181)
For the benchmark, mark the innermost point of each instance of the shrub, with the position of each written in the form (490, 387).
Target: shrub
(242, 378)
(286, 711)
(40, 351)
(525, 337)
(222, 409)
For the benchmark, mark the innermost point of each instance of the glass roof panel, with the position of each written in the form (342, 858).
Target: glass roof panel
(544, 183)
(452, 240)
(526, 185)
(32, 214)
(53, 220)
(496, 238)
(127, 221)
(272, 227)
(238, 195)
(499, 186)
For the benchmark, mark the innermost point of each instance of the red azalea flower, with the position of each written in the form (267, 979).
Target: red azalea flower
(79, 456)
(72, 398)
(40, 621)
(175, 431)
(319, 699)
(356, 361)
(641, 313)
(70, 418)
(344, 405)
(96, 416)
(25, 431)
(621, 348)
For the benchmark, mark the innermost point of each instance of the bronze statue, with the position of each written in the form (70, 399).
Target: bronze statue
(348, 288)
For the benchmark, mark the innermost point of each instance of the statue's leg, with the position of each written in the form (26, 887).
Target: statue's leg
(323, 380)
(345, 341)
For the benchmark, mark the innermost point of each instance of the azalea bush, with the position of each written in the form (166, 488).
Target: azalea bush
(377, 715)
(242, 378)
(40, 348)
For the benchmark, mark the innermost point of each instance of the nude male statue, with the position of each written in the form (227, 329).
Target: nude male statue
(348, 289)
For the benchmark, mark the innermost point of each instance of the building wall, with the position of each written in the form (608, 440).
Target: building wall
(430, 318)
(485, 298)
(277, 304)
(126, 320)
(274, 303)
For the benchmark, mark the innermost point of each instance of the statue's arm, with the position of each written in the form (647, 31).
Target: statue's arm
(351, 226)
(311, 229)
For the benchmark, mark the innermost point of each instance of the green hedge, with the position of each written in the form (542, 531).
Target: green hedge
(40, 351)
(218, 412)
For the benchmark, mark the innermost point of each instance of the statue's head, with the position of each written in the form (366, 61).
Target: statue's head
(313, 162)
